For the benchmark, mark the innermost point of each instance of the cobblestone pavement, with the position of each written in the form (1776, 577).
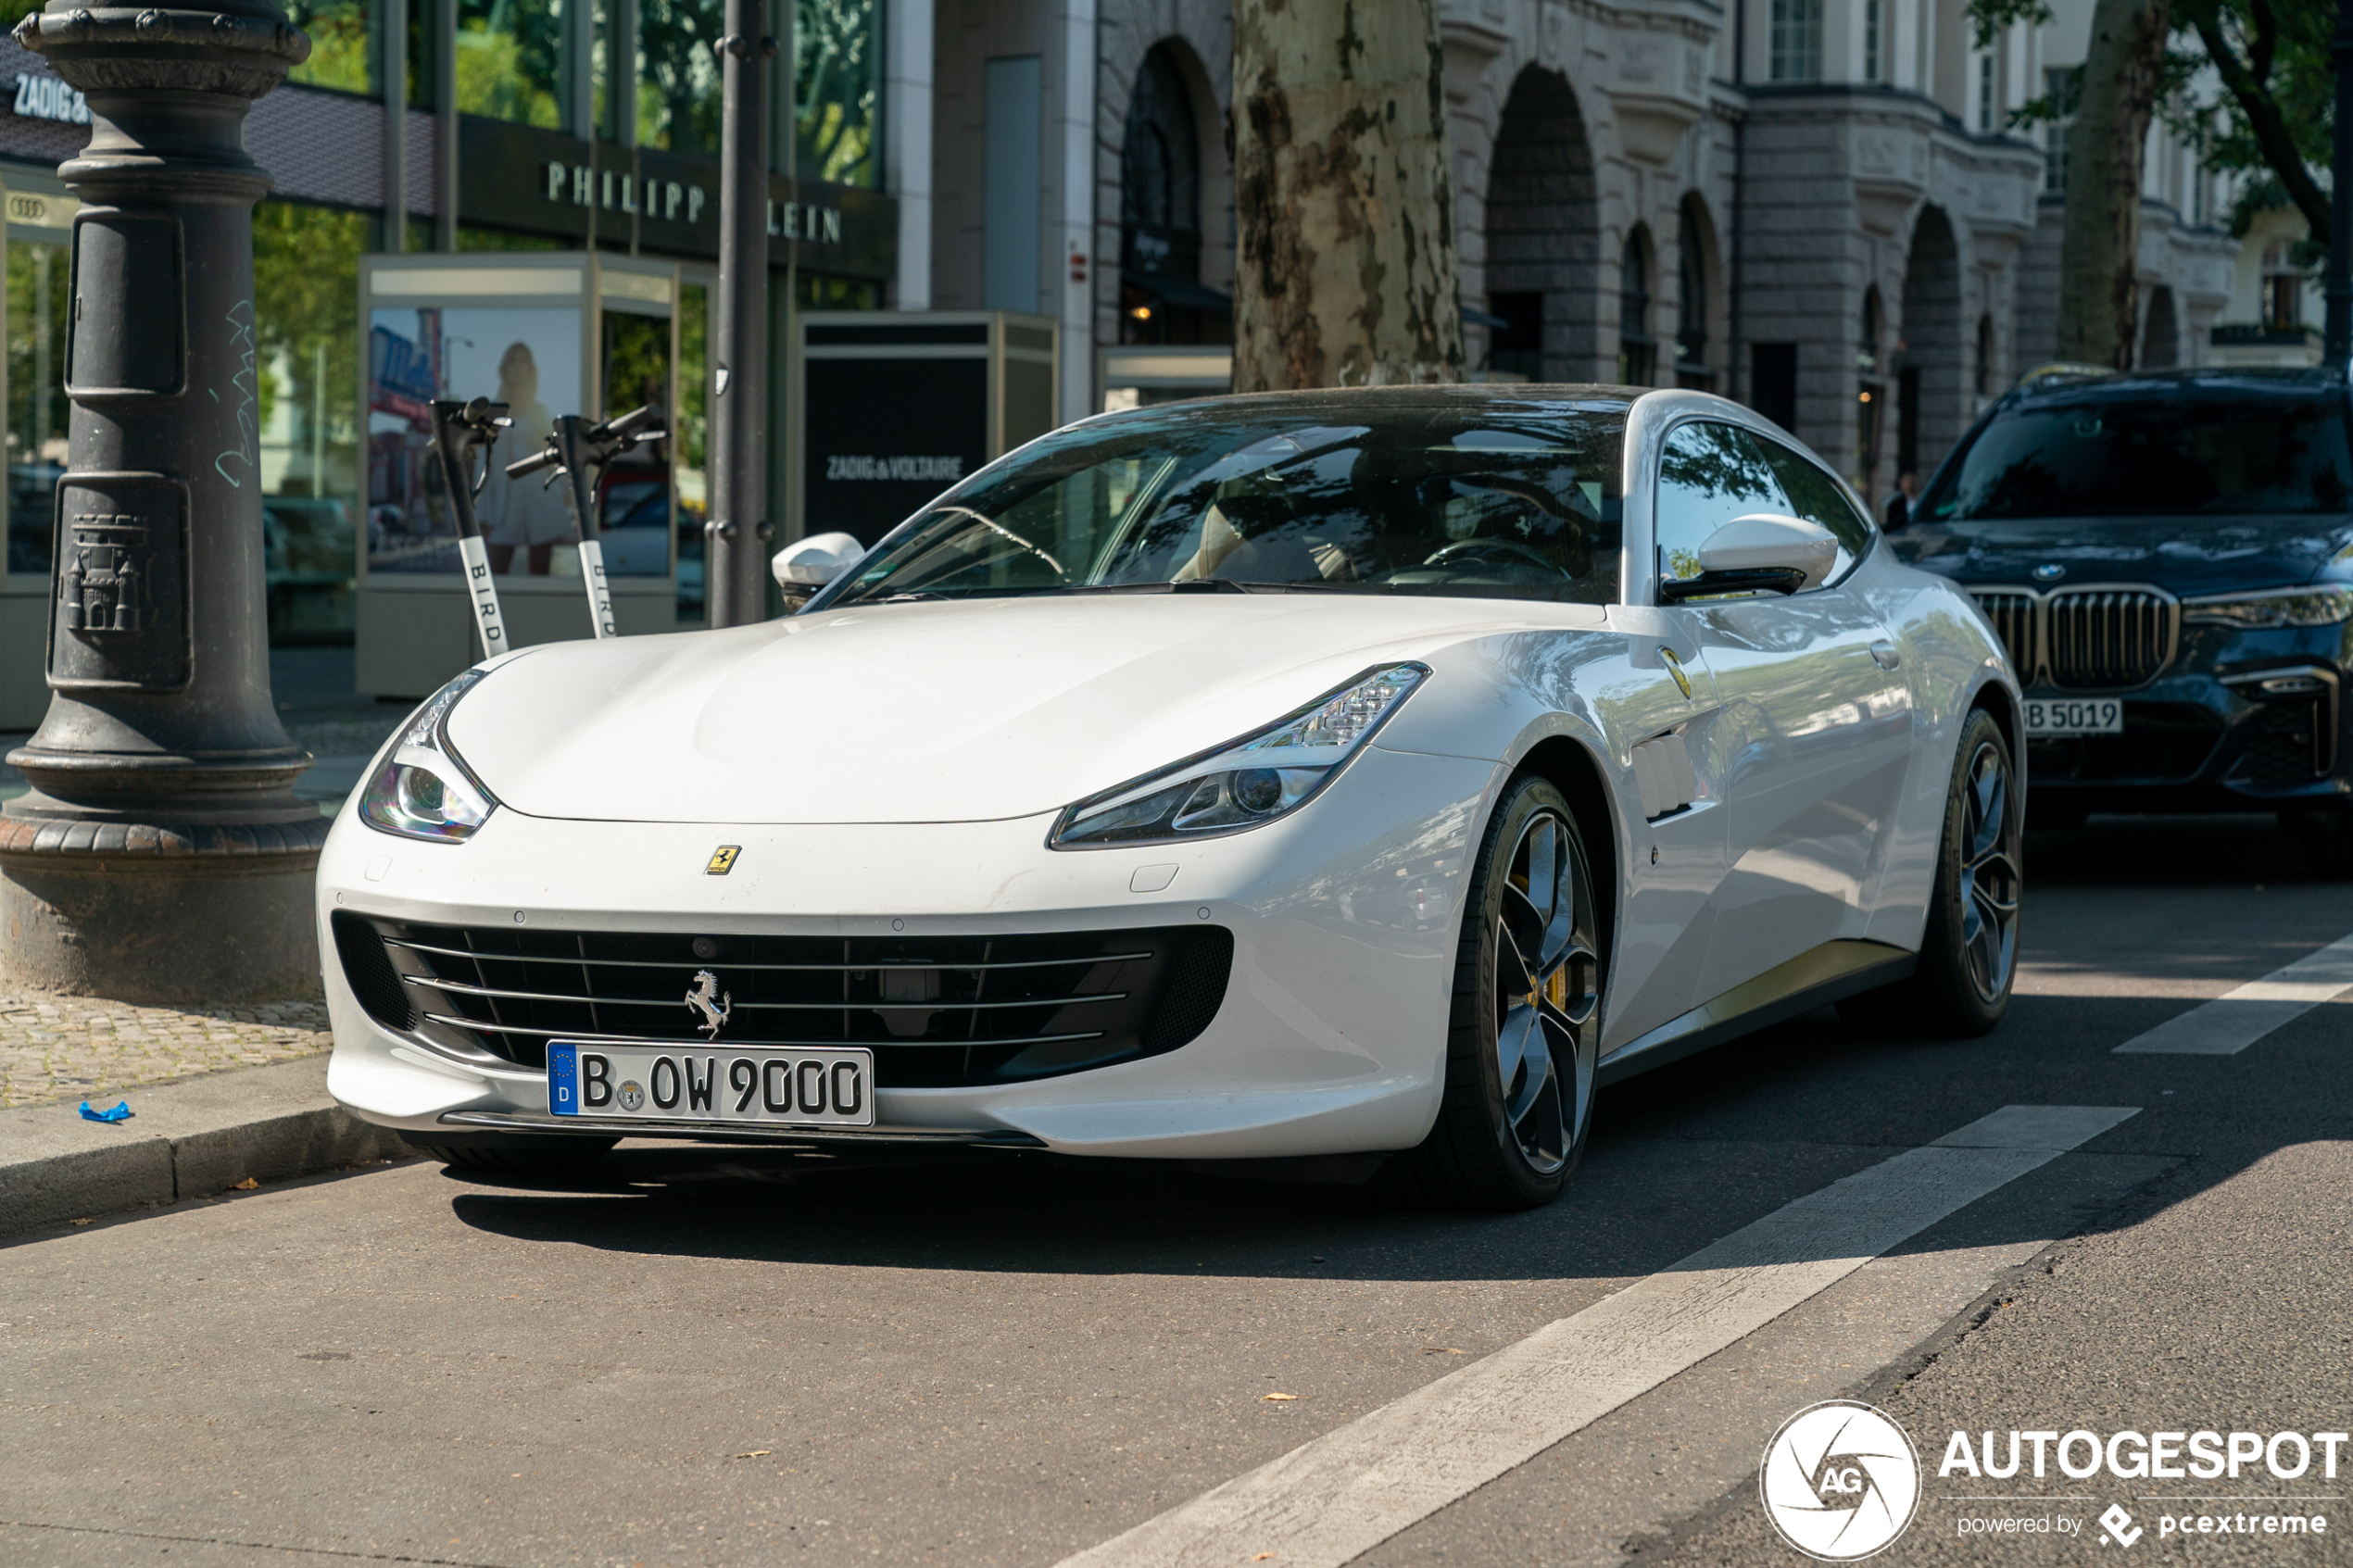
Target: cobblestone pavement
(68, 1048)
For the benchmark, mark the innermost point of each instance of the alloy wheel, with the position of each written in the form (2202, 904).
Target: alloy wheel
(1547, 993)
(1989, 872)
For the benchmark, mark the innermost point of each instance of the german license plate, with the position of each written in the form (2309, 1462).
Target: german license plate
(829, 1086)
(2047, 716)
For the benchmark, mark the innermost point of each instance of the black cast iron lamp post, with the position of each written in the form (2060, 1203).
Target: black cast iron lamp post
(162, 853)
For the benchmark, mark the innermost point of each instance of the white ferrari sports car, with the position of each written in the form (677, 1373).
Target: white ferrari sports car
(1360, 773)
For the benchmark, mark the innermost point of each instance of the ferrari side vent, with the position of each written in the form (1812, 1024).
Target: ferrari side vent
(1196, 990)
(369, 971)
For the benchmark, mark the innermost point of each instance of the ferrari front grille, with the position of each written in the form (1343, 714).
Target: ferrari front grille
(2104, 638)
(937, 1011)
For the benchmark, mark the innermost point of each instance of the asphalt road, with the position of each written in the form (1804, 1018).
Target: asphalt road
(711, 1357)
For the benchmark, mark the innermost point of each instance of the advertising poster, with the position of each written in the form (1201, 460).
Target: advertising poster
(527, 359)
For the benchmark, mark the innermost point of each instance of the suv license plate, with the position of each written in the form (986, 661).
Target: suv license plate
(827, 1087)
(2047, 717)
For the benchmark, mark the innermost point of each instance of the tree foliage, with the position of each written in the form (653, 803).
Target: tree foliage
(2267, 113)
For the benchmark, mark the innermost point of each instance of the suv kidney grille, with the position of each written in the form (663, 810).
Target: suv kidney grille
(2013, 618)
(2085, 639)
(938, 1012)
(2109, 637)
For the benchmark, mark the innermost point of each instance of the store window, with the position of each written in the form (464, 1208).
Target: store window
(836, 102)
(690, 445)
(678, 74)
(305, 269)
(40, 227)
(341, 55)
(510, 60)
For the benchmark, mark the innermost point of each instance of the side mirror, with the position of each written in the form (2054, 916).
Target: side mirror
(1763, 551)
(806, 564)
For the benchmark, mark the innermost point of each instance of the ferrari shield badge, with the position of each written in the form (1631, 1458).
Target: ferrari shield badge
(723, 859)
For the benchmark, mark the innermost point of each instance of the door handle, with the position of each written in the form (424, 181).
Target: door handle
(1883, 652)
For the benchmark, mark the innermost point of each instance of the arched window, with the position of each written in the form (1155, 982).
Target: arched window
(1161, 297)
(1637, 349)
(1691, 303)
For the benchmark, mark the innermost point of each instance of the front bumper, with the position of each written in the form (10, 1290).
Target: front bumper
(1330, 1039)
(2240, 722)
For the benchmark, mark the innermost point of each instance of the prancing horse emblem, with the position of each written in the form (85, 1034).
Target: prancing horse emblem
(707, 999)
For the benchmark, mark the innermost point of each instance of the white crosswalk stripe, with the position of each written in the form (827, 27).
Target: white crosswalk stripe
(1345, 1492)
(2236, 1019)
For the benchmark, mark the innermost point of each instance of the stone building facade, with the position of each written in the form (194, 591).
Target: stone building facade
(1818, 206)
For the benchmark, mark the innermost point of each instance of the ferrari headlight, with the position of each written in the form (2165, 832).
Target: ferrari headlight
(424, 789)
(2282, 606)
(1245, 782)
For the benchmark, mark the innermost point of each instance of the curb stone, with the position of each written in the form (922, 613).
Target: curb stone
(184, 1140)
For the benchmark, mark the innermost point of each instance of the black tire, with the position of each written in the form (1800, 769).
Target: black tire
(518, 1154)
(1969, 952)
(2326, 836)
(1509, 1135)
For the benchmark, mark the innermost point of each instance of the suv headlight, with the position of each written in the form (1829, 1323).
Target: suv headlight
(1245, 782)
(2281, 606)
(425, 789)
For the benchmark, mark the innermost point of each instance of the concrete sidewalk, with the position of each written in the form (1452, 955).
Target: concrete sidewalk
(186, 1140)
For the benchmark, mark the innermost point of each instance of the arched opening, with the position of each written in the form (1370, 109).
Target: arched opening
(1696, 308)
(1933, 363)
(2161, 334)
(1637, 348)
(1543, 235)
(1161, 295)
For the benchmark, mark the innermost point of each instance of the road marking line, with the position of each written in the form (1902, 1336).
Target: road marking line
(1345, 1492)
(2236, 1019)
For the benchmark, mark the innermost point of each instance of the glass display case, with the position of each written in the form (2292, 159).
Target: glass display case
(547, 333)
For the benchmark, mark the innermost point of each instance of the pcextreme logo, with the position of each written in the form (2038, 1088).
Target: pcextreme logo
(1840, 1481)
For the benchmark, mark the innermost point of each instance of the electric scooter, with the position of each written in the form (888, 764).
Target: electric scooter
(460, 432)
(581, 450)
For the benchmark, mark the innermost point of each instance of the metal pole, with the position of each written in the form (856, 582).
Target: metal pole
(162, 853)
(734, 538)
(2339, 347)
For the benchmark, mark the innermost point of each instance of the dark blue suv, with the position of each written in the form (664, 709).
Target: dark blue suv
(2168, 556)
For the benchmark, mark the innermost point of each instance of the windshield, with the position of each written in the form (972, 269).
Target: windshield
(2146, 458)
(1497, 500)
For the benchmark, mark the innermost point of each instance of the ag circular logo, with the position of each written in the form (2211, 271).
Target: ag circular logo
(1840, 1481)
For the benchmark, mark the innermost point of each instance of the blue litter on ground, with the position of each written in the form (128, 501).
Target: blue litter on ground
(121, 1112)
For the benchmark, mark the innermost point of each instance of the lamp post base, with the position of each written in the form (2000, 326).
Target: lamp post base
(161, 915)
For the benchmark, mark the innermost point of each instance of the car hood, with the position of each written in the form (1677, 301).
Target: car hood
(2189, 556)
(923, 712)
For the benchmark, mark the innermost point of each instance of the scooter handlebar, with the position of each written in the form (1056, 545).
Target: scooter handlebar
(531, 465)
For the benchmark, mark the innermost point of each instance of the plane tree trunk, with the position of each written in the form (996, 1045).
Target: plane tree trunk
(1347, 269)
(2099, 288)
